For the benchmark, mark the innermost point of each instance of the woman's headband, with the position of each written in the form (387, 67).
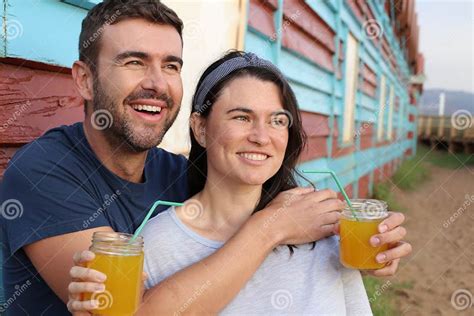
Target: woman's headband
(223, 70)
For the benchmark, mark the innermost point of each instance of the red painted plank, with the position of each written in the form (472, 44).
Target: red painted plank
(305, 32)
(316, 147)
(296, 39)
(317, 130)
(6, 153)
(377, 175)
(298, 12)
(349, 192)
(387, 170)
(365, 133)
(261, 17)
(363, 186)
(33, 101)
(315, 124)
(336, 150)
(33, 98)
(355, 7)
(369, 83)
(383, 143)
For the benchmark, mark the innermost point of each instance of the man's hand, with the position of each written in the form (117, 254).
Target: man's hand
(85, 280)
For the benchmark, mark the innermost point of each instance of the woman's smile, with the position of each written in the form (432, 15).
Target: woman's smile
(253, 157)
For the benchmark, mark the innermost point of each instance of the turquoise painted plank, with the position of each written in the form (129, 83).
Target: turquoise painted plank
(351, 167)
(325, 10)
(2, 35)
(365, 115)
(339, 88)
(368, 56)
(311, 100)
(342, 164)
(277, 21)
(258, 44)
(302, 71)
(85, 4)
(48, 31)
(367, 102)
(351, 22)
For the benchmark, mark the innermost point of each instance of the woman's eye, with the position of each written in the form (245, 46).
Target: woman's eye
(280, 121)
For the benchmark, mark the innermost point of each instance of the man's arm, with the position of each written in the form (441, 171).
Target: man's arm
(52, 257)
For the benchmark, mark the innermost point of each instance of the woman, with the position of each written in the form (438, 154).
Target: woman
(246, 138)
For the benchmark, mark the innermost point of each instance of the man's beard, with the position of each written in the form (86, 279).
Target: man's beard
(122, 129)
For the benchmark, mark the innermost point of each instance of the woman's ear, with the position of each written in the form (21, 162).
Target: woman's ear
(198, 126)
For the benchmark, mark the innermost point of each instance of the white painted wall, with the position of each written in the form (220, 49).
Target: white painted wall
(211, 27)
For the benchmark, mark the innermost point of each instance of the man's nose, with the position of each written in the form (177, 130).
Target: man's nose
(155, 80)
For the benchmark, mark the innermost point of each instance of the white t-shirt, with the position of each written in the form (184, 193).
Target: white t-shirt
(310, 282)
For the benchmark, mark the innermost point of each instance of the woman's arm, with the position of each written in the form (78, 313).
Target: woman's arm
(294, 217)
(208, 286)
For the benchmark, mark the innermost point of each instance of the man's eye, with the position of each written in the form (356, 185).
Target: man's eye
(172, 67)
(134, 63)
(241, 118)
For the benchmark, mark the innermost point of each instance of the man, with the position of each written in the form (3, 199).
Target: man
(105, 173)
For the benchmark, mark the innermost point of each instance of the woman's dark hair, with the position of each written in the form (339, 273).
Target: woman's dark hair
(284, 179)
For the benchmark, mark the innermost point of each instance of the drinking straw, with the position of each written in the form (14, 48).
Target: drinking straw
(339, 186)
(150, 212)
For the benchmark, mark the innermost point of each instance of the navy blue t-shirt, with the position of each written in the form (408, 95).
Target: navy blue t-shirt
(56, 185)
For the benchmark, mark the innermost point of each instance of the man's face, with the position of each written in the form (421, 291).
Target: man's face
(138, 80)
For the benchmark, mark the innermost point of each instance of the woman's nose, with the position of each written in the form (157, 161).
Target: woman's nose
(259, 134)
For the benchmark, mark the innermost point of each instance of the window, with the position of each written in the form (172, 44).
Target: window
(351, 74)
(381, 109)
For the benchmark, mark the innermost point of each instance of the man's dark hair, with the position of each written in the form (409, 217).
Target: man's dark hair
(114, 11)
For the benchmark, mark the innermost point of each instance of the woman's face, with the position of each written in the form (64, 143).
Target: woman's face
(246, 133)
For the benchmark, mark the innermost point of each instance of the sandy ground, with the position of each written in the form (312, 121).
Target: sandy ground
(440, 224)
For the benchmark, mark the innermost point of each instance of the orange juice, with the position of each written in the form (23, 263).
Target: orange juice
(123, 266)
(356, 252)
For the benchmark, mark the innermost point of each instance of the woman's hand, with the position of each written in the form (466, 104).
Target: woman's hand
(301, 215)
(391, 233)
(84, 280)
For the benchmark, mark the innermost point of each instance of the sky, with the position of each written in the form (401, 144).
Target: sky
(447, 43)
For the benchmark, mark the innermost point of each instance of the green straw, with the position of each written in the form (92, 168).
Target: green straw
(339, 186)
(150, 212)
